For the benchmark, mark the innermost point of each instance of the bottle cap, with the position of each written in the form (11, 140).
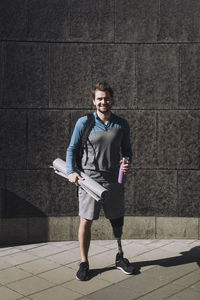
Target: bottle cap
(125, 158)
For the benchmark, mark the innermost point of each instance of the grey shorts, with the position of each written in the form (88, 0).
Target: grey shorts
(113, 204)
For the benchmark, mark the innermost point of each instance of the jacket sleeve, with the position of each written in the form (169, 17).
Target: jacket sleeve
(74, 144)
(126, 149)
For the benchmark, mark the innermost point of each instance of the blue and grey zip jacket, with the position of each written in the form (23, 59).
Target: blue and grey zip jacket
(106, 144)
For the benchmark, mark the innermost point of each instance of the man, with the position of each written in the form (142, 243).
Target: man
(108, 139)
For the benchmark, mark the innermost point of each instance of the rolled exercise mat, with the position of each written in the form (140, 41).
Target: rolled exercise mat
(93, 188)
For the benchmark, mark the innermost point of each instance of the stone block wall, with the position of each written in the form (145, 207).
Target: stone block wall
(52, 52)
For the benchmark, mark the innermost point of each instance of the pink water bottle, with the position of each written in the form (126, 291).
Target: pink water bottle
(122, 175)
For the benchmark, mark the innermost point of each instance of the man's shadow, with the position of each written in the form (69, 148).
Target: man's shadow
(191, 256)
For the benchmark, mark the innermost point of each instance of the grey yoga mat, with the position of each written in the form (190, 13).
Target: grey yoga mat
(94, 189)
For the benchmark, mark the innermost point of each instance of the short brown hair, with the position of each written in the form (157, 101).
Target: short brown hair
(104, 87)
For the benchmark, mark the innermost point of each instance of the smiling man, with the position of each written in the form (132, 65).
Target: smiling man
(108, 142)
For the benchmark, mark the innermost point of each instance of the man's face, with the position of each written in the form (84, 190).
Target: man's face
(102, 101)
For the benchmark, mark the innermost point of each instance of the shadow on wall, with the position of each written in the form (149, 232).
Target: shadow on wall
(21, 221)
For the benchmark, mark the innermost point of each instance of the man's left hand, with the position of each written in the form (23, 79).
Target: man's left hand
(126, 167)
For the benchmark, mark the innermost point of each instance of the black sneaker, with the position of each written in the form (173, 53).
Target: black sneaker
(83, 271)
(123, 264)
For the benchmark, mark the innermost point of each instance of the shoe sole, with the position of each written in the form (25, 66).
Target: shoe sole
(127, 273)
(81, 280)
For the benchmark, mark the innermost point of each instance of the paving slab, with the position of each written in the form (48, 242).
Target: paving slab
(30, 285)
(185, 241)
(29, 246)
(84, 288)
(111, 244)
(112, 292)
(85, 298)
(178, 246)
(135, 249)
(189, 279)
(103, 243)
(58, 293)
(38, 266)
(166, 269)
(4, 265)
(74, 265)
(195, 243)
(102, 260)
(142, 241)
(62, 246)
(96, 249)
(19, 258)
(163, 292)
(151, 257)
(45, 250)
(113, 275)
(12, 274)
(64, 243)
(8, 294)
(196, 286)
(185, 295)
(155, 243)
(142, 284)
(66, 257)
(172, 274)
(8, 251)
(59, 275)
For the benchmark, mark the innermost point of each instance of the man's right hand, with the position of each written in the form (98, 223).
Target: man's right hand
(74, 177)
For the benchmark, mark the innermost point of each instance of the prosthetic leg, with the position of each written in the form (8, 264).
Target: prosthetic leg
(117, 225)
(121, 262)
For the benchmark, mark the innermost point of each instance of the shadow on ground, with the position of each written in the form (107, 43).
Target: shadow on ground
(191, 256)
(95, 272)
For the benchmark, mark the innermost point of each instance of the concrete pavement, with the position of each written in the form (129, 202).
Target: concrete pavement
(165, 269)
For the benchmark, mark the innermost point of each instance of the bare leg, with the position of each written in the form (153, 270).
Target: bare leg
(84, 236)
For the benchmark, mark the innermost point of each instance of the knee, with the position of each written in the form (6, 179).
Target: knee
(85, 223)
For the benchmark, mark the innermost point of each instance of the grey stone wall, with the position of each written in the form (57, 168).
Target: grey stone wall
(51, 54)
